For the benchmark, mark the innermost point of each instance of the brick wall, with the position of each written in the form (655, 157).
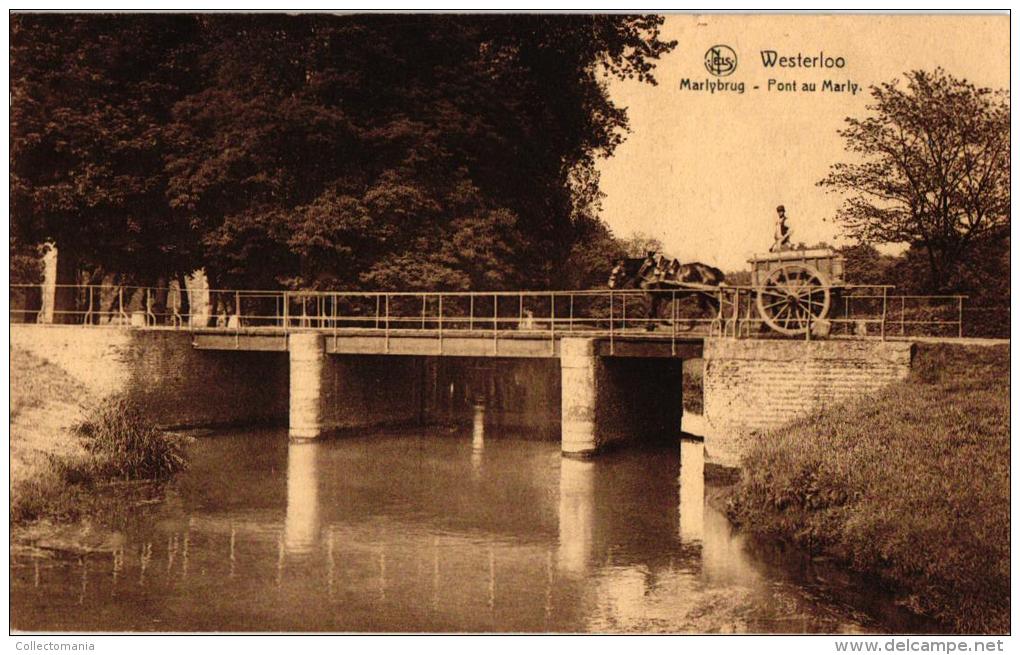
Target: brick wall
(177, 385)
(754, 385)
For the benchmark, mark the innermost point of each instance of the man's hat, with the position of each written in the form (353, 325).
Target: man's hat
(780, 208)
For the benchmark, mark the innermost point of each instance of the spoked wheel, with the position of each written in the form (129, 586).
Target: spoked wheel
(792, 298)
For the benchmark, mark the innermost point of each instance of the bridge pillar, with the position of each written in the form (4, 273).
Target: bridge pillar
(605, 400)
(578, 391)
(308, 365)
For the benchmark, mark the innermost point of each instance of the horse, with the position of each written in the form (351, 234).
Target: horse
(654, 272)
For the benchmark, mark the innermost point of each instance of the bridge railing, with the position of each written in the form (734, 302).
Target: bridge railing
(855, 310)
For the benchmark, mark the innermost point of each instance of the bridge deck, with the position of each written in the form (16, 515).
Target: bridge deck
(461, 343)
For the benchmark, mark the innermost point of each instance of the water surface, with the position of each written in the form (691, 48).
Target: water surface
(438, 530)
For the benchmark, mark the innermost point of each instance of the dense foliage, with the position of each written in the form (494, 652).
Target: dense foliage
(911, 486)
(929, 167)
(378, 151)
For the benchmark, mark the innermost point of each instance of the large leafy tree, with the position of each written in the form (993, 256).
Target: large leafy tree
(90, 98)
(400, 151)
(318, 150)
(929, 168)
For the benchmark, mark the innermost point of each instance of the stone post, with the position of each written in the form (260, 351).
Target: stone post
(49, 284)
(578, 371)
(307, 368)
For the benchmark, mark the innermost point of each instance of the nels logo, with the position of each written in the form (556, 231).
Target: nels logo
(720, 60)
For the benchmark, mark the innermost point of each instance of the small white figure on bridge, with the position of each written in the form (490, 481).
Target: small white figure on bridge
(782, 234)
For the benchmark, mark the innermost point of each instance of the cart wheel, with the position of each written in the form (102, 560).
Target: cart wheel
(792, 297)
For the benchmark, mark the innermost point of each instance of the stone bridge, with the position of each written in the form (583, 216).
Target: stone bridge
(606, 389)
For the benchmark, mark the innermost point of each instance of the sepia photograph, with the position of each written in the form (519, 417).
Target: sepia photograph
(516, 322)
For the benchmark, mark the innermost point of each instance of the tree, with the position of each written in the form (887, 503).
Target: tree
(640, 244)
(366, 151)
(864, 264)
(90, 95)
(593, 255)
(406, 151)
(930, 169)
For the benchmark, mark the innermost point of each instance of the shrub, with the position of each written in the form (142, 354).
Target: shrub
(124, 444)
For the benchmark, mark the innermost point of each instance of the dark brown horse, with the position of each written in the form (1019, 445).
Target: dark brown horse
(656, 274)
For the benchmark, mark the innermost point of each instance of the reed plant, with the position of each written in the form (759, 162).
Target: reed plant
(122, 443)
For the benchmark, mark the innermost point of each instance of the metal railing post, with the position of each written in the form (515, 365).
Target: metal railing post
(570, 325)
(807, 333)
(424, 300)
(471, 311)
(495, 323)
(748, 314)
(959, 317)
(552, 321)
(903, 314)
(612, 320)
(673, 315)
(440, 324)
(386, 323)
(149, 314)
(885, 301)
(88, 314)
(736, 316)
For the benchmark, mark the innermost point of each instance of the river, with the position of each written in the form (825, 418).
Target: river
(472, 529)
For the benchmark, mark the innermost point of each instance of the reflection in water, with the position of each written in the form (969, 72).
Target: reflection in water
(302, 525)
(577, 515)
(478, 438)
(692, 490)
(399, 532)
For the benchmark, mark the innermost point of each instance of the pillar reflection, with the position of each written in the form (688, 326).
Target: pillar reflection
(577, 515)
(478, 438)
(303, 521)
(692, 490)
(724, 559)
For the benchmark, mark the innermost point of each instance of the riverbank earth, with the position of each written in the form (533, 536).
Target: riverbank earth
(60, 499)
(45, 403)
(910, 487)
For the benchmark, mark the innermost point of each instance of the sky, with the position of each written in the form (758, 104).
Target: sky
(703, 172)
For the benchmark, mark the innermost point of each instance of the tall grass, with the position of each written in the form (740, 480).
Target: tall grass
(911, 487)
(123, 443)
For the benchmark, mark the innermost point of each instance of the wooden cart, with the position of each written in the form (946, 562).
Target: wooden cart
(794, 289)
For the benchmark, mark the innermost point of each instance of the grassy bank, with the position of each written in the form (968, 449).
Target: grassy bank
(911, 487)
(68, 447)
